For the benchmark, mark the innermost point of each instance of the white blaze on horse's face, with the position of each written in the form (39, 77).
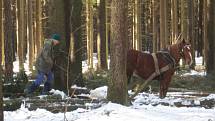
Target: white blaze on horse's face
(188, 49)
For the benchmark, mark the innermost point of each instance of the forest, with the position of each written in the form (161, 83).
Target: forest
(96, 37)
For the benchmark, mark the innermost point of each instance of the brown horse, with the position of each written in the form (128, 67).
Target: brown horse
(144, 65)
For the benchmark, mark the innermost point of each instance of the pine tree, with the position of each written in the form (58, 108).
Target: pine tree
(76, 31)
(1, 31)
(117, 87)
(174, 16)
(8, 41)
(162, 23)
(205, 38)
(38, 21)
(57, 24)
(210, 62)
(30, 35)
(102, 35)
(21, 34)
(1, 93)
(155, 25)
(1, 81)
(89, 25)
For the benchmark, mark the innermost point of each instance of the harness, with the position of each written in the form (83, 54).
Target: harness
(158, 71)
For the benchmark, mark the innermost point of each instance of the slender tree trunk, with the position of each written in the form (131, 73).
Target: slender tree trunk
(102, 35)
(38, 38)
(162, 23)
(21, 30)
(1, 31)
(89, 9)
(1, 92)
(166, 40)
(25, 41)
(200, 45)
(210, 35)
(184, 19)
(137, 25)
(8, 42)
(130, 23)
(14, 33)
(117, 88)
(174, 20)
(155, 25)
(30, 35)
(1, 81)
(205, 30)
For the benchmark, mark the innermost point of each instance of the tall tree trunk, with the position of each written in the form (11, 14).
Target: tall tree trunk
(137, 25)
(77, 42)
(25, 41)
(102, 35)
(1, 92)
(1, 80)
(57, 24)
(162, 23)
(166, 30)
(200, 39)
(21, 30)
(191, 31)
(1, 31)
(130, 23)
(89, 10)
(8, 41)
(155, 25)
(30, 35)
(117, 87)
(38, 38)
(184, 22)
(174, 8)
(14, 21)
(205, 38)
(210, 35)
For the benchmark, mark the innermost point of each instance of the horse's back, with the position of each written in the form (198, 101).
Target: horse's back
(140, 62)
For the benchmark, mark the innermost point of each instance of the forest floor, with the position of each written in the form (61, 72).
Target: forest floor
(182, 83)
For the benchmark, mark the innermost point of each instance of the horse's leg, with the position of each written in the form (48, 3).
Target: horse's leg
(164, 83)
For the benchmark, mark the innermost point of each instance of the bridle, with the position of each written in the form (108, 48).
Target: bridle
(181, 51)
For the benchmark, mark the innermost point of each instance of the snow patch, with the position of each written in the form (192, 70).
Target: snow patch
(99, 93)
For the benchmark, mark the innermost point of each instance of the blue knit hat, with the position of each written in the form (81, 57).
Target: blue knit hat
(56, 37)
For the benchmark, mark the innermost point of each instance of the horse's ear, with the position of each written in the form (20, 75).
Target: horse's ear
(183, 41)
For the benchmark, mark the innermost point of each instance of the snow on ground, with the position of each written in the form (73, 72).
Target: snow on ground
(115, 112)
(140, 110)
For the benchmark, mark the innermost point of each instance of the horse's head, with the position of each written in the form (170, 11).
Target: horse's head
(185, 52)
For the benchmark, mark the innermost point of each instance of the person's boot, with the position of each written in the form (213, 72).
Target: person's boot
(30, 88)
(46, 88)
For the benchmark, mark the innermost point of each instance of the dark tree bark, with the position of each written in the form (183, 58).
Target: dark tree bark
(102, 30)
(117, 86)
(1, 81)
(30, 35)
(200, 30)
(210, 62)
(1, 94)
(1, 29)
(66, 72)
(76, 31)
(57, 25)
(8, 29)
